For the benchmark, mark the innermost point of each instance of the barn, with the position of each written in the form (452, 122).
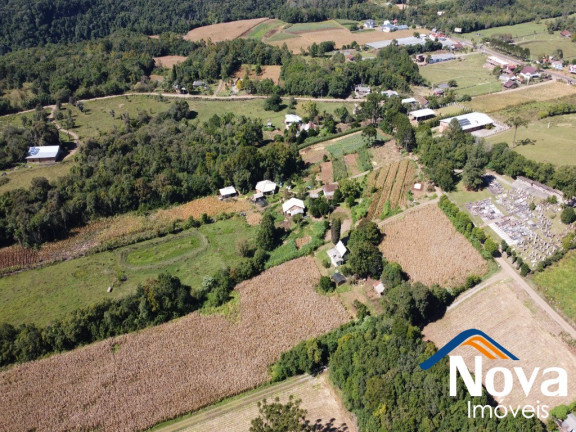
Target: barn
(44, 154)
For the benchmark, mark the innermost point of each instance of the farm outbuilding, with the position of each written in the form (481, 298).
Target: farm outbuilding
(468, 122)
(290, 119)
(337, 254)
(43, 154)
(228, 191)
(338, 278)
(422, 114)
(293, 207)
(266, 187)
(379, 287)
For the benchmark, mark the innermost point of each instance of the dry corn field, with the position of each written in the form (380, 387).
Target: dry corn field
(428, 247)
(392, 183)
(135, 381)
(507, 314)
(223, 31)
(210, 205)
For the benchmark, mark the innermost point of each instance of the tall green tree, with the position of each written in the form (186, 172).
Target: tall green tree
(267, 233)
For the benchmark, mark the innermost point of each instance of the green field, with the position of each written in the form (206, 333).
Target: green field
(470, 75)
(313, 26)
(22, 176)
(260, 30)
(346, 145)
(545, 44)
(553, 138)
(517, 31)
(558, 283)
(98, 120)
(42, 295)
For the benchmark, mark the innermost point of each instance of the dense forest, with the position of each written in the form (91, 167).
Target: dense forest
(151, 162)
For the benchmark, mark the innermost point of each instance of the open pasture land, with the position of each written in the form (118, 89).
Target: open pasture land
(546, 44)
(41, 295)
(224, 31)
(345, 145)
(529, 29)
(547, 91)
(97, 117)
(557, 283)
(508, 315)
(392, 183)
(468, 72)
(318, 397)
(135, 381)
(551, 140)
(21, 177)
(168, 61)
(301, 36)
(428, 247)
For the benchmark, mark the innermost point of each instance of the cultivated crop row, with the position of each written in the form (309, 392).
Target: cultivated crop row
(135, 381)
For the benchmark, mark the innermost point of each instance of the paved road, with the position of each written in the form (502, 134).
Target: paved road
(511, 272)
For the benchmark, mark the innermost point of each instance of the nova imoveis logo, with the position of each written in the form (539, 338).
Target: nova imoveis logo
(553, 381)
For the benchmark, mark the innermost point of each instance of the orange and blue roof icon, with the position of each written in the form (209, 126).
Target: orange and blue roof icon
(475, 338)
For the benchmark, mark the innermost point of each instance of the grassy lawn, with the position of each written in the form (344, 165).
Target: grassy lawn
(346, 145)
(558, 284)
(472, 78)
(532, 93)
(42, 295)
(98, 120)
(288, 250)
(517, 31)
(554, 140)
(22, 176)
(546, 44)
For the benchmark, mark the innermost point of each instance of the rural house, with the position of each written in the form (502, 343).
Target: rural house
(265, 187)
(337, 254)
(468, 122)
(390, 93)
(379, 287)
(388, 28)
(43, 154)
(290, 119)
(227, 192)
(558, 65)
(573, 69)
(566, 33)
(510, 84)
(361, 91)
(293, 207)
(369, 24)
(409, 100)
(329, 190)
(529, 72)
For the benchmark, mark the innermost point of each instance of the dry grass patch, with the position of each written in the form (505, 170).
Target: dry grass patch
(428, 247)
(326, 175)
(223, 31)
(254, 218)
(210, 205)
(271, 72)
(168, 61)
(135, 381)
(507, 314)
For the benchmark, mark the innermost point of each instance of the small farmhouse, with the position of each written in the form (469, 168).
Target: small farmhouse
(510, 84)
(468, 122)
(227, 192)
(573, 69)
(558, 65)
(566, 33)
(265, 187)
(337, 254)
(361, 91)
(293, 207)
(409, 101)
(390, 93)
(369, 24)
(43, 154)
(379, 287)
(290, 119)
(329, 190)
(529, 72)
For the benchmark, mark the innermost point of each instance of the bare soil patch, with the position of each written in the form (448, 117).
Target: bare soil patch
(326, 174)
(303, 241)
(385, 154)
(314, 154)
(254, 218)
(351, 161)
(223, 31)
(168, 61)
(268, 72)
(428, 247)
(135, 381)
(506, 313)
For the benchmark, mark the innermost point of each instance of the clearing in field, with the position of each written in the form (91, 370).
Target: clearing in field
(557, 284)
(41, 295)
(468, 72)
(428, 247)
(318, 397)
(224, 31)
(268, 72)
(168, 61)
(507, 314)
(547, 91)
(548, 140)
(21, 176)
(134, 381)
(392, 183)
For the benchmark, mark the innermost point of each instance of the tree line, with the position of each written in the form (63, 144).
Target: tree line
(155, 162)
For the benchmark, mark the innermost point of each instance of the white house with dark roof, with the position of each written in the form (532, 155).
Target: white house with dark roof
(43, 154)
(293, 207)
(337, 254)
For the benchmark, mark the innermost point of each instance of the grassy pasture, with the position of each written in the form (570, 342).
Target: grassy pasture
(98, 119)
(554, 140)
(546, 44)
(44, 294)
(348, 144)
(472, 78)
(517, 31)
(23, 175)
(557, 283)
(313, 26)
(533, 93)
